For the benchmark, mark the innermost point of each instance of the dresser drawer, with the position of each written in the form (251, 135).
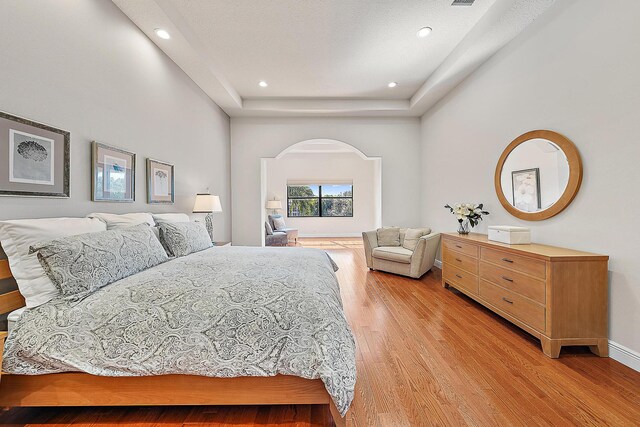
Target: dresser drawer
(519, 307)
(460, 278)
(514, 281)
(462, 247)
(457, 259)
(519, 263)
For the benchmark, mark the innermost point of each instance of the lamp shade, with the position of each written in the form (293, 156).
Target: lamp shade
(207, 203)
(274, 204)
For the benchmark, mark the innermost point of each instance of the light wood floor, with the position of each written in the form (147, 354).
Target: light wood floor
(426, 356)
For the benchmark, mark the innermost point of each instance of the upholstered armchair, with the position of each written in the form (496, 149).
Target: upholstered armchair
(278, 225)
(409, 252)
(274, 238)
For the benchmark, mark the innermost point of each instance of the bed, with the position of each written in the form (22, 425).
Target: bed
(223, 326)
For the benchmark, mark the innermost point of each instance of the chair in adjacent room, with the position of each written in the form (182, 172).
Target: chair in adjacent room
(278, 225)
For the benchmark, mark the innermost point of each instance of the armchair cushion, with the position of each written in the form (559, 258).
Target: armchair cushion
(388, 236)
(393, 253)
(412, 236)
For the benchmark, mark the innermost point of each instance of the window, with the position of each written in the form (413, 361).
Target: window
(333, 200)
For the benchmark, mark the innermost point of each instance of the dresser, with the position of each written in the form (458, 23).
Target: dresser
(558, 295)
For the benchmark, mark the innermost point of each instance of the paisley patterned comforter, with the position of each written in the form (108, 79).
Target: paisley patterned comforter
(222, 312)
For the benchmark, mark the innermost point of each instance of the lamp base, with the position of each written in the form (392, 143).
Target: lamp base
(208, 223)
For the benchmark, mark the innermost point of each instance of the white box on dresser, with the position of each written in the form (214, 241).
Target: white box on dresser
(510, 235)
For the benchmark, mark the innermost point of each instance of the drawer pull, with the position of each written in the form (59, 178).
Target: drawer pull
(506, 300)
(458, 259)
(458, 276)
(458, 246)
(508, 279)
(507, 260)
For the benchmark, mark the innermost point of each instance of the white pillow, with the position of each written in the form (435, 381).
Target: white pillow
(171, 217)
(16, 236)
(115, 221)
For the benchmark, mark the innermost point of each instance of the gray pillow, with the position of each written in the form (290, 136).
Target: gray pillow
(87, 262)
(267, 228)
(183, 238)
(389, 236)
(412, 236)
(278, 222)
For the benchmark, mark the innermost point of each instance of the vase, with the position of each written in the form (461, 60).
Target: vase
(463, 227)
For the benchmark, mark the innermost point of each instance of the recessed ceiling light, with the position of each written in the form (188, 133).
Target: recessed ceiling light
(262, 83)
(424, 32)
(392, 84)
(163, 34)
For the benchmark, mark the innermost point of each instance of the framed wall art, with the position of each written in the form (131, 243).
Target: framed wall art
(34, 159)
(113, 173)
(526, 189)
(160, 182)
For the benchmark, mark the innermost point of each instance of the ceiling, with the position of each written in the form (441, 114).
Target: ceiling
(329, 57)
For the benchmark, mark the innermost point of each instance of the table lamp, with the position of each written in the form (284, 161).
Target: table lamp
(207, 203)
(274, 205)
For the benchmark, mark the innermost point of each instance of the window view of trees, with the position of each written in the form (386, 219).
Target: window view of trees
(116, 185)
(320, 200)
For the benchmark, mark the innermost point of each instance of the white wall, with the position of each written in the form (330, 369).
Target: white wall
(575, 71)
(84, 67)
(327, 168)
(396, 140)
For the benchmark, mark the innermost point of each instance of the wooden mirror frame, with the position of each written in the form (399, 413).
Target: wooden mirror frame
(575, 175)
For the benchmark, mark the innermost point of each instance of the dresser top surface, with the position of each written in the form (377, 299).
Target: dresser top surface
(532, 249)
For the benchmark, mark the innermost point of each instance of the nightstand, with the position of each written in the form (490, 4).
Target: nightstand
(221, 244)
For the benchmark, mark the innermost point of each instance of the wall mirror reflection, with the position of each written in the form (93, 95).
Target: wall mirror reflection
(535, 175)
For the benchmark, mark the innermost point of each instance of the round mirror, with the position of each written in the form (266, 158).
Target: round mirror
(538, 175)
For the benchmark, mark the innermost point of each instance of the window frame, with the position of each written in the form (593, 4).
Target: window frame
(319, 198)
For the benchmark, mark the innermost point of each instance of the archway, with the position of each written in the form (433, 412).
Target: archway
(325, 161)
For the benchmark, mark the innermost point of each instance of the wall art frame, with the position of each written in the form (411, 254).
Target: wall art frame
(37, 160)
(113, 174)
(160, 182)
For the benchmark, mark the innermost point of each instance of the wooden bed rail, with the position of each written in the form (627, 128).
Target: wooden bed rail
(80, 389)
(5, 271)
(11, 300)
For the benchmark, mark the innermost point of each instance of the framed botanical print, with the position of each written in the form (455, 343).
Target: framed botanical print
(113, 173)
(34, 158)
(526, 189)
(160, 182)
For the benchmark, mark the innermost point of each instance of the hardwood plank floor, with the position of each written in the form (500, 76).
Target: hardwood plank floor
(426, 356)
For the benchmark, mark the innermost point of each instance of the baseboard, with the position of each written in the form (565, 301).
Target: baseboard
(624, 355)
(330, 235)
(438, 264)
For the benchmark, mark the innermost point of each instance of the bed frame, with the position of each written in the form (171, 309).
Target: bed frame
(81, 389)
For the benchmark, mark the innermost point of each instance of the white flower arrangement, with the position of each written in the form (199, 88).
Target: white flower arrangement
(468, 211)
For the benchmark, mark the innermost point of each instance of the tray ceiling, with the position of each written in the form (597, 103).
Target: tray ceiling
(329, 57)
